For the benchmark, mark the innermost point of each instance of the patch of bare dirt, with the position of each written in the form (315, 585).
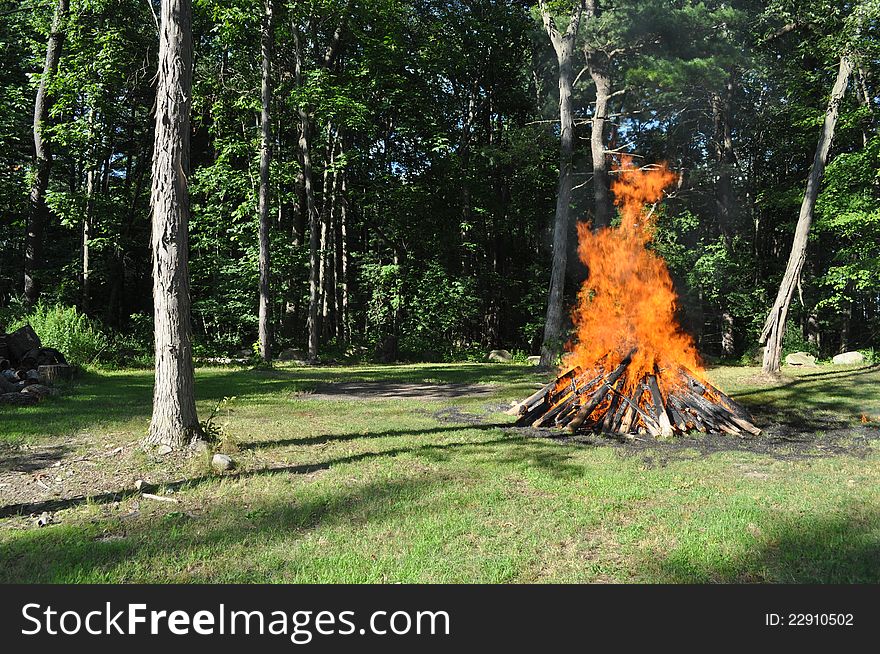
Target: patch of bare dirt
(369, 390)
(49, 474)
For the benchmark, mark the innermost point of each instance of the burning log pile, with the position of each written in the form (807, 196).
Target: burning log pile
(630, 368)
(27, 369)
(601, 400)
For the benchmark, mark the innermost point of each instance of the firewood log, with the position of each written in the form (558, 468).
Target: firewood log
(608, 419)
(599, 394)
(55, 373)
(19, 399)
(659, 408)
(536, 398)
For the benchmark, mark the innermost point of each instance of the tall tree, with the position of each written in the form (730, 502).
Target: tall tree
(38, 211)
(774, 326)
(174, 422)
(599, 64)
(564, 46)
(305, 111)
(266, 38)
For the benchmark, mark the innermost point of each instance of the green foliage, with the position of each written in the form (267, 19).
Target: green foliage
(82, 340)
(213, 430)
(444, 116)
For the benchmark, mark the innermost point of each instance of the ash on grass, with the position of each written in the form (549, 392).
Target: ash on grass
(786, 436)
(780, 441)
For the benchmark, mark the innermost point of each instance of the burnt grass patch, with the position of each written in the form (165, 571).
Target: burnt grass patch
(786, 436)
(777, 442)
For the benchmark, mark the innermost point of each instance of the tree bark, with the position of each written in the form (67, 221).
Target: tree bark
(85, 288)
(774, 327)
(345, 330)
(305, 145)
(174, 420)
(599, 71)
(563, 44)
(305, 153)
(266, 38)
(38, 212)
(724, 201)
(724, 160)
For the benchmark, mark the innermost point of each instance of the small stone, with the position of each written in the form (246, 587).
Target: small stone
(500, 356)
(44, 519)
(848, 359)
(140, 484)
(801, 359)
(221, 462)
(201, 447)
(164, 449)
(534, 361)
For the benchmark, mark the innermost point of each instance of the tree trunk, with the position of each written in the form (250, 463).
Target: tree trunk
(326, 275)
(774, 327)
(314, 232)
(724, 160)
(345, 330)
(563, 44)
(724, 201)
(174, 420)
(728, 341)
(38, 212)
(85, 289)
(601, 191)
(305, 153)
(266, 37)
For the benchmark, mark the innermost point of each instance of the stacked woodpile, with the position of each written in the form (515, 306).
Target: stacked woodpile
(606, 401)
(27, 369)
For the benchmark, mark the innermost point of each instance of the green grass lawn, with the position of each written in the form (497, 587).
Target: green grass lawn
(335, 488)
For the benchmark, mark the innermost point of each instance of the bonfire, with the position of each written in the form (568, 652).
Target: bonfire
(630, 368)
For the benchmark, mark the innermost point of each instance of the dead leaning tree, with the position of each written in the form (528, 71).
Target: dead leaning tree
(774, 326)
(563, 45)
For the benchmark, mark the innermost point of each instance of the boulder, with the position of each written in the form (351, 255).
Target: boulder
(800, 359)
(22, 341)
(848, 359)
(500, 356)
(535, 361)
(291, 354)
(221, 462)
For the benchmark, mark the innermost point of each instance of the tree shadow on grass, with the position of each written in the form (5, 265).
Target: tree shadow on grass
(823, 386)
(85, 553)
(322, 439)
(550, 458)
(838, 549)
(103, 399)
(31, 460)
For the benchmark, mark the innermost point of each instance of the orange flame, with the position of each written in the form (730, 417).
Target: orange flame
(628, 300)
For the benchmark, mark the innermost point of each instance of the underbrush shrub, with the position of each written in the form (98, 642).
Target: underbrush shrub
(82, 340)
